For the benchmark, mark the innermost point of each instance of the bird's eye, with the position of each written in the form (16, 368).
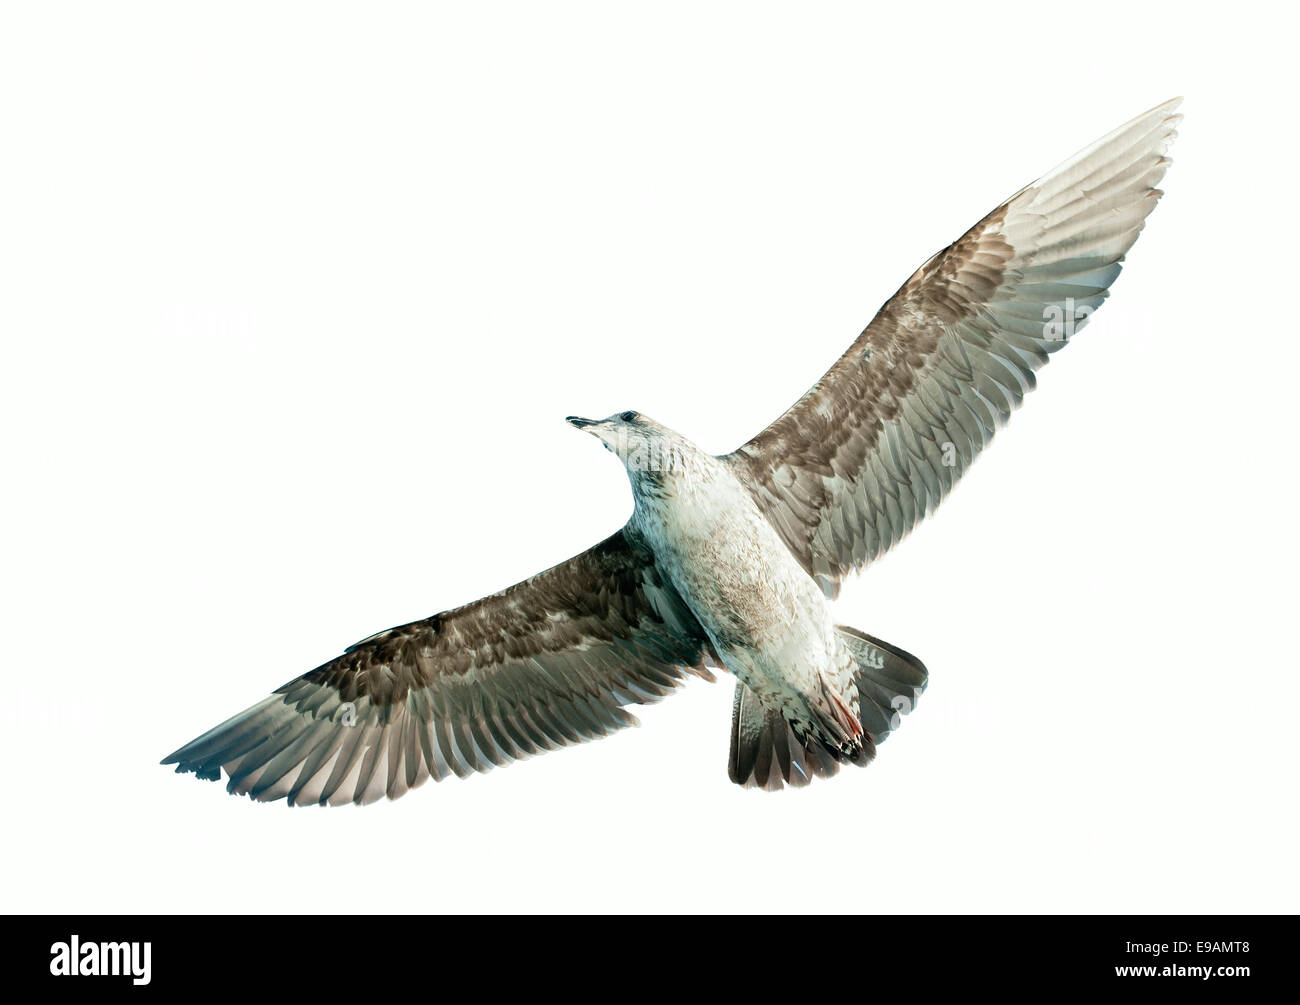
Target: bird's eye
(628, 416)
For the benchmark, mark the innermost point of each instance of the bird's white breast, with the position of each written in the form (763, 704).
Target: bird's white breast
(766, 617)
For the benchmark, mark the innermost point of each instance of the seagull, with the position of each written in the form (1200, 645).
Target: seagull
(729, 562)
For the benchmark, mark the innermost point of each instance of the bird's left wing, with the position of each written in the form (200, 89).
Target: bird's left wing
(546, 663)
(882, 437)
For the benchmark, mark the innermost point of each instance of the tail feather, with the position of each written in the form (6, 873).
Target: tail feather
(890, 681)
(768, 752)
(765, 750)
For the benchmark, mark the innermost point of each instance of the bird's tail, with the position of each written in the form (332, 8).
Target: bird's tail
(889, 681)
(767, 752)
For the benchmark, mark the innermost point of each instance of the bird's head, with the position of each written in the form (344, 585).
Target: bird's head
(643, 445)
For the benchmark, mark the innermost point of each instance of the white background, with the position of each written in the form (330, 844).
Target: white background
(294, 298)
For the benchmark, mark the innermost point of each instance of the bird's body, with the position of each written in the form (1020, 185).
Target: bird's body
(729, 561)
(768, 622)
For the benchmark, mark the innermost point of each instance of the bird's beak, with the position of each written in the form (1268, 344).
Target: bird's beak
(602, 429)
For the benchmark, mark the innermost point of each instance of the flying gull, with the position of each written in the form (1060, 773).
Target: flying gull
(729, 561)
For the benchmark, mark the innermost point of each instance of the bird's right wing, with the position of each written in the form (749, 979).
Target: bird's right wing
(548, 662)
(882, 437)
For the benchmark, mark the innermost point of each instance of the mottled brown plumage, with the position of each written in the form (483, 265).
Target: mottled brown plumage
(548, 662)
(881, 438)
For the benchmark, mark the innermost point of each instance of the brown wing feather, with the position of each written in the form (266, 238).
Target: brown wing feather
(881, 438)
(546, 663)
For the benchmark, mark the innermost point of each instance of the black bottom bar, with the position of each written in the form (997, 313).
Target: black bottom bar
(584, 955)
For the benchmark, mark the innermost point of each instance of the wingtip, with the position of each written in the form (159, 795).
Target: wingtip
(1166, 112)
(206, 774)
(1171, 118)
